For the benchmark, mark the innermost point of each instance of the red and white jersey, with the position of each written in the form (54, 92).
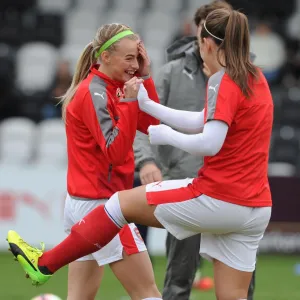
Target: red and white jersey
(100, 133)
(238, 173)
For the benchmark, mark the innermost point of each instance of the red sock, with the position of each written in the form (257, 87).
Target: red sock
(93, 232)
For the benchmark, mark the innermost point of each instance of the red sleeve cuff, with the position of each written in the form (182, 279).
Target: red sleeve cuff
(222, 118)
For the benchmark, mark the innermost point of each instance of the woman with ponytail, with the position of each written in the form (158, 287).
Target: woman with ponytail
(100, 127)
(230, 200)
(101, 114)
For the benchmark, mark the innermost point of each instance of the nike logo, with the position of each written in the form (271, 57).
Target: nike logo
(101, 95)
(213, 87)
(188, 74)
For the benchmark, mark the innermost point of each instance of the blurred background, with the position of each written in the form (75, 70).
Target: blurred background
(40, 42)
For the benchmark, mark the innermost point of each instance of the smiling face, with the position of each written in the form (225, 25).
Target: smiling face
(121, 64)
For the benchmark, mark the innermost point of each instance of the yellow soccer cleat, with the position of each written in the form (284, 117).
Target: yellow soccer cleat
(28, 257)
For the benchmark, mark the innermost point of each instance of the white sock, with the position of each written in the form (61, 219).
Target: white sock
(113, 210)
(155, 299)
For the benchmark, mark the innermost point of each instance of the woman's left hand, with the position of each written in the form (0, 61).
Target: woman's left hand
(144, 60)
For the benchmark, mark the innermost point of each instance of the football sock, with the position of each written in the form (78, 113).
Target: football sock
(89, 235)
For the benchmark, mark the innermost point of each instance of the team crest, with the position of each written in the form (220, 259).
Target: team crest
(119, 93)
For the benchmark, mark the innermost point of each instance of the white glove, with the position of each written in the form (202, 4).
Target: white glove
(142, 96)
(159, 134)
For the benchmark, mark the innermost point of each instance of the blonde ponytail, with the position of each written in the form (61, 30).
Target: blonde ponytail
(84, 63)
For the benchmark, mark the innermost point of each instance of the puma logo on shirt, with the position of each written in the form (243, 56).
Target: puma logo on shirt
(213, 87)
(101, 95)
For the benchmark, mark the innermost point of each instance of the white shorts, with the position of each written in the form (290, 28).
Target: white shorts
(129, 238)
(230, 233)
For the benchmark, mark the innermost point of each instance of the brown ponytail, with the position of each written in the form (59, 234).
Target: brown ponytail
(232, 29)
(237, 51)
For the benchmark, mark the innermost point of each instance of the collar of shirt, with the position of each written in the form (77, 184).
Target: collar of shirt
(117, 84)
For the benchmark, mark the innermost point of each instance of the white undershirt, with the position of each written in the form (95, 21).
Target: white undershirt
(185, 121)
(207, 143)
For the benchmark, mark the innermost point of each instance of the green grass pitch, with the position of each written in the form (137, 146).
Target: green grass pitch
(276, 280)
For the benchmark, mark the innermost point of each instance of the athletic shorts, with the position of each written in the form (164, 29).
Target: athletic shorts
(230, 233)
(129, 238)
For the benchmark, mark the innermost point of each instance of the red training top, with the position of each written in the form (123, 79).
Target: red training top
(239, 172)
(100, 133)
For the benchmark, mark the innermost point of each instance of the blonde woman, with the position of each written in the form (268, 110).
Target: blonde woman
(102, 115)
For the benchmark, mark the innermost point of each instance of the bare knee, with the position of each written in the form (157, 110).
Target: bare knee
(143, 291)
(84, 280)
(75, 293)
(238, 294)
(142, 286)
(141, 282)
(81, 296)
(231, 284)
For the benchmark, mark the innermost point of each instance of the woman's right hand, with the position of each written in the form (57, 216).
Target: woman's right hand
(131, 87)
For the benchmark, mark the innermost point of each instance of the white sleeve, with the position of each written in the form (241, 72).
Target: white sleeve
(207, 143)
(184, 121)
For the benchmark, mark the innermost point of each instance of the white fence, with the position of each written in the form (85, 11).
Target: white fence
(32, 203)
